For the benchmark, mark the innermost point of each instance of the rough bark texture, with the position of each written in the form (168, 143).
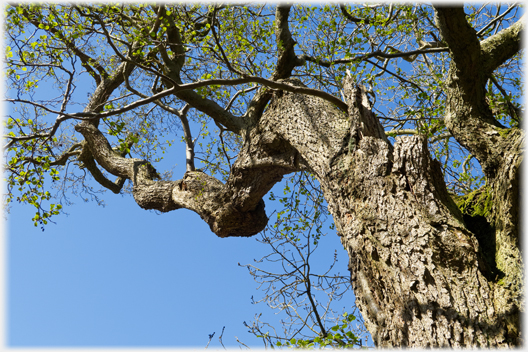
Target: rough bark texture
(417, 270)
(235, 208)
(424, 274)
(498, 149)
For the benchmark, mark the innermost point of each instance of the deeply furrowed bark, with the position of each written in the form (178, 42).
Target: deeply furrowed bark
(417, 270)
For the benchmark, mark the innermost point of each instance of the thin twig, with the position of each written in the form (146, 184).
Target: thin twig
(210, 338)
(220, 338)
(240, 342)
(512, 6)
(228, 106)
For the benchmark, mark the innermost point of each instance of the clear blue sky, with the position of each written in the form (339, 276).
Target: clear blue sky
(122, 276)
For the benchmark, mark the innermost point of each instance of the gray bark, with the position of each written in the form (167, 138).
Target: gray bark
(497, 149)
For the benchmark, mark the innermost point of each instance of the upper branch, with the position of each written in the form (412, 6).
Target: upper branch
(460, 37)
(287, 59)
(493, 23)
(377, 54)
(175, 43)
(86, 60)
(286, 62)
(468, 51)
(468, 114)
(222, 52)
(351, 18)
(502, 46)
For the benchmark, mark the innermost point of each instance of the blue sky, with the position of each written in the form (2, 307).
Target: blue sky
(122, 276)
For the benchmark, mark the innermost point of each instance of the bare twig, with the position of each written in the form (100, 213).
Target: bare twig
(492, 22)
(210, 338)
(220, 338)
(228, 106)
(240, 342)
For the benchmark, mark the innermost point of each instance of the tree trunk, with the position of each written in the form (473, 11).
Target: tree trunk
(418, 272)
(423, 274)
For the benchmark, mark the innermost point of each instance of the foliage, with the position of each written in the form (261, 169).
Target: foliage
(340, 337)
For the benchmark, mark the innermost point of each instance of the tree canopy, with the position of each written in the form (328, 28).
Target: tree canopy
(206, 75)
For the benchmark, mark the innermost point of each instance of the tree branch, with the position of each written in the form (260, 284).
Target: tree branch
(460, 37)
(500, 47)
(228, 106)
(498, 18)
(351, 18)
(233, 209)
(287, 59)
(233, 123)
(377, 54)
(86, 60)
(176, 45)
(224, 57)
(88, 162)
(468, 115)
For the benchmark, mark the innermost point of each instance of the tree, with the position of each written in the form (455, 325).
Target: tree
(433, 241)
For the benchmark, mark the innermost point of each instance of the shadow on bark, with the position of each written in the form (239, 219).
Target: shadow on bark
(464, 331)
(485, 235)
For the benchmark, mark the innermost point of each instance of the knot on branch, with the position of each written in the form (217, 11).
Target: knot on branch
(216, 204)
(230, 222)
(155, 195)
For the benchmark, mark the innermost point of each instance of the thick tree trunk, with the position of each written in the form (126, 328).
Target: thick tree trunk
(417, 270)
(421, 271)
